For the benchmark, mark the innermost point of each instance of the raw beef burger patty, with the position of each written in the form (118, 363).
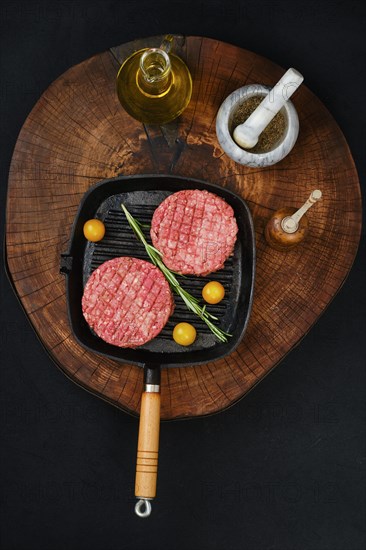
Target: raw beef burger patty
(195, 231)
(127, 302)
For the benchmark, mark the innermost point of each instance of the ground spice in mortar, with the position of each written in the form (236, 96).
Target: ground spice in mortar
(270, 135)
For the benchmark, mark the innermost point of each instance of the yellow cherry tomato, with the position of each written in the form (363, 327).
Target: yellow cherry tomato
(94, 230)
(213, 292)
(184, 334)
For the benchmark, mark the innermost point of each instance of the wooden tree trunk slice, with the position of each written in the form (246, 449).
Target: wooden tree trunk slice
(78, 134)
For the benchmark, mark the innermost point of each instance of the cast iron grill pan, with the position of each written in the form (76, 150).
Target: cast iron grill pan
(141, 195)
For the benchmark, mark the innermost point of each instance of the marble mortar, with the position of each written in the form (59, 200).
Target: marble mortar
(224, 128)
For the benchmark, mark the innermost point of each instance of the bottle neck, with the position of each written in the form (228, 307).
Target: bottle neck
(154, 77)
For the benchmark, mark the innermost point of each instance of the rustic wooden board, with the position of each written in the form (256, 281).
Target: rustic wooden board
(78, 134)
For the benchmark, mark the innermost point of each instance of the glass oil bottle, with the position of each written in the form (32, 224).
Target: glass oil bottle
(154, 85)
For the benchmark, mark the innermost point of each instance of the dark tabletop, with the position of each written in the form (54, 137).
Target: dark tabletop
(281, 470)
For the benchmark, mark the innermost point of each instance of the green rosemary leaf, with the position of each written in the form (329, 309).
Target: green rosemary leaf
(191, 302)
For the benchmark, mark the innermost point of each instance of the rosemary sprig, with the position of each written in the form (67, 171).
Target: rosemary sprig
(191, 302)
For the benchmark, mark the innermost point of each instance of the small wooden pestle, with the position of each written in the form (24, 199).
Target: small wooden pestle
(289, 226)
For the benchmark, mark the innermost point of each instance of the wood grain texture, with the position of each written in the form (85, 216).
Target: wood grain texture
(78, 134)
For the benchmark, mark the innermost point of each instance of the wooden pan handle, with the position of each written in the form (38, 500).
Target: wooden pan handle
(147, 449)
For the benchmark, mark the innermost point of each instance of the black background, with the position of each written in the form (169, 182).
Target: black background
(281, 470)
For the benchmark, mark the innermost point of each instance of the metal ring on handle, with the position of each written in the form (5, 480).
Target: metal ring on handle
(143, 508)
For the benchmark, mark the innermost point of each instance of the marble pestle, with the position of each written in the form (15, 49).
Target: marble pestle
(246, 135)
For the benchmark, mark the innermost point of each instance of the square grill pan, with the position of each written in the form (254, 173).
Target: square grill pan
(141, 194)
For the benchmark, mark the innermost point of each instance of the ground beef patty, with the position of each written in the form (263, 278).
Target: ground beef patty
(195, 231)
(127, 301)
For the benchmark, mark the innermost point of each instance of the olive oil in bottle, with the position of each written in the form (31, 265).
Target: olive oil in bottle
(153, 85)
